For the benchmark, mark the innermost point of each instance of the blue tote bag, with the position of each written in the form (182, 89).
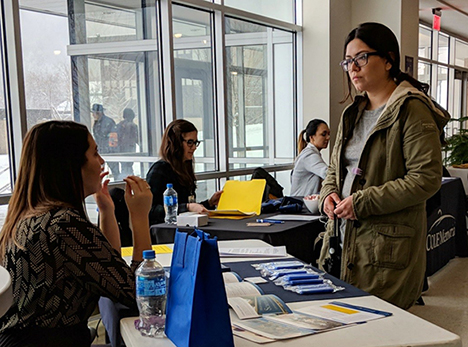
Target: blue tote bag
(197, 308)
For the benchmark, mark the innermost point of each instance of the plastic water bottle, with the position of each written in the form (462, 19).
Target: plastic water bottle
(170, 205)
(151, 296)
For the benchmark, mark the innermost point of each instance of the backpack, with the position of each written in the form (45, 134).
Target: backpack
(273, 189)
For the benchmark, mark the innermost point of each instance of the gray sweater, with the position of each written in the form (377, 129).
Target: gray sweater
(309, 172)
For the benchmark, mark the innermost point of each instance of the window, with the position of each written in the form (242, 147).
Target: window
(115, 60)
(46, 66)
(442, 79)
(461, 53)
(278, 9)
(443, 48)
(5, 181)
(99, 62)
(193, 69)
(260, 94)
(425, 42)
(424, 72)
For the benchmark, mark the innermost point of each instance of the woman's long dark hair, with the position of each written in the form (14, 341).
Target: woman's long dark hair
(172, 151)
(49, 175)
(309, 131)
(377, 36)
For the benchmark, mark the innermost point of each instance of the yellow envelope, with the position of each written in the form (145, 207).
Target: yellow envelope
(241, 198)
(159, 249)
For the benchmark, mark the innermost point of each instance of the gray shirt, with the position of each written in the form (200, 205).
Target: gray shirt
(353, 150)
(309, 172)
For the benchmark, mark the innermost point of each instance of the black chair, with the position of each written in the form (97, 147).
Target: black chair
(273, 189)
(122, 216)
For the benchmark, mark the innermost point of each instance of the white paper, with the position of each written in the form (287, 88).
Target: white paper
(230, 277)
(339, 313)
(294, 217)
(271, 329)
(241, 289)
(256, 280)
(250, 336)
(242, 308)
(258, 252)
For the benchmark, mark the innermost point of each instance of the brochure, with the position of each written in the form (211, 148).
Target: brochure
(250, 336)
(294, 217)
(344, 313)
(334, 315)
(259, 252)
(273, 330)
(248, 300)
(265, 317)
(231, 277)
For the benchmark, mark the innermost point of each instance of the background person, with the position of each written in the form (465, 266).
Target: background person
(385, 164)
(309, 167)
(179, 142)
(103, 127)
(127, 139)
(60, 263)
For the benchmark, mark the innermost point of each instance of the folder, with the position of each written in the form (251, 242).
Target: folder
(159, 249)
(240, 199)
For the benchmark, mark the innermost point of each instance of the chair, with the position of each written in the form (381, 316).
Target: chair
(6, 291)
(273, 189)
(122, 216)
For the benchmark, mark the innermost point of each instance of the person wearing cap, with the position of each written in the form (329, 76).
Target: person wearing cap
(102, 128)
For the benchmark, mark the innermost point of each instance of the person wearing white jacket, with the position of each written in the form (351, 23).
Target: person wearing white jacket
(309, 168)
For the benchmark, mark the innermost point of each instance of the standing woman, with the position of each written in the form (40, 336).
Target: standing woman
(179, 143)
(309, 168)
(60, 263)
(385, 164)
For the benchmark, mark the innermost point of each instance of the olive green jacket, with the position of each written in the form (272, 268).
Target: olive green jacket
(384, 249)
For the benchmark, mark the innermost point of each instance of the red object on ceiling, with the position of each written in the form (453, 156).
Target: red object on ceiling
(436, 22)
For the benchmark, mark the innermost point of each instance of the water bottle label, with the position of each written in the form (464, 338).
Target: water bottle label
(150, 286)
(170, 200)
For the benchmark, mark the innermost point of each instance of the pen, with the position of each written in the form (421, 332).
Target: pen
(361, 308)
(270, 221)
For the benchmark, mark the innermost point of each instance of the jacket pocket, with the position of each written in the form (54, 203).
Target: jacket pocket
(392, 246)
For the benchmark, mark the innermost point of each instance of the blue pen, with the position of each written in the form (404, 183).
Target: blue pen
(362, 308)
(272, 221)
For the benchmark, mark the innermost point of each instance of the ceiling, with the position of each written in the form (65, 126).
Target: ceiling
(454, 17)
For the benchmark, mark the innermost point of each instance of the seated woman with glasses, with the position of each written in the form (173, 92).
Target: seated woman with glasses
(60, 263)
(386, 163)
(179, 142)
(309, 167)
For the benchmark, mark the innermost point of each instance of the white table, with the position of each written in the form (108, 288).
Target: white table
(6, 292)
(462, 173)
(401, 329)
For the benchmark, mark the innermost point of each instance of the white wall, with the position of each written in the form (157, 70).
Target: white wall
(326, 23)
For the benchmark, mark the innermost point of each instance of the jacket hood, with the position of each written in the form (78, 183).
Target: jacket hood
(403, 92)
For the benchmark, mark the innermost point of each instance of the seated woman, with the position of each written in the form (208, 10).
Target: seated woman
(309, 168)
(60, 263)
(179, 142)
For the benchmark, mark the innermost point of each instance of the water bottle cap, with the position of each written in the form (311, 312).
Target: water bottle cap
(149, 254)
(169, 185)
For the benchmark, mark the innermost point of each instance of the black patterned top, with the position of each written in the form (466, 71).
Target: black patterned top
(66, 265)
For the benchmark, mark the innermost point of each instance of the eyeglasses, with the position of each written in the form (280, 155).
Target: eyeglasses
(191, 143)
(359, 61)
